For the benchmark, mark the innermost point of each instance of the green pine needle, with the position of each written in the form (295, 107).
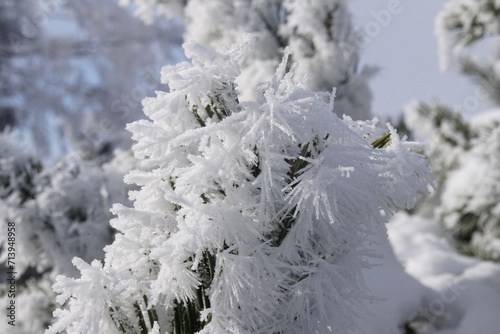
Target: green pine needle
(382, 141)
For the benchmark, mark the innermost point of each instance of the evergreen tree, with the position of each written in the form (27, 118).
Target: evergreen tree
(73, 73)
(470, 206)
(11, 44)
(59, 213)
(463, 154)
(461, 25)
(250, 218)
(464, 157)
(18, 171)
(464, 22)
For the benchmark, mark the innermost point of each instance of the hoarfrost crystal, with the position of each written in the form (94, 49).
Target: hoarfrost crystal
(250, 217)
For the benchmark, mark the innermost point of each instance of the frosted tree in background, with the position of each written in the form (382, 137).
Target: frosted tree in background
(59, 212)
(18, 171)
(464, 22)
(463, 153)
(448, 134)
(460, 25)
(72, 75)
(470, 202)
(320, 36)
(10, 26)
(464, 156)
(74, 72)
(72, 212)
(250, 218)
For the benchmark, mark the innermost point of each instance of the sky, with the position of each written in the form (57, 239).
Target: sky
(404, 46)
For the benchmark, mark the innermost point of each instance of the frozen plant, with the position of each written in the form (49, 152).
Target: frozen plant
(72, 211)
(461, 25)
(18, 171)
(59, 213)
(470, 206)
(464, 22)
(464, 156)
(66, 214)
(447, 135)
(74, 72)
(250, 217)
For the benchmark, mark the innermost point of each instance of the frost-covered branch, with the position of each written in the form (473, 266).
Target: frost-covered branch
(463, 22)
(57, 213)
(250, 218)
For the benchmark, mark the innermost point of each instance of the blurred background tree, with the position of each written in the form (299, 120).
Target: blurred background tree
(72, 75)
(464, 152)
(320, 34)
(74, 72)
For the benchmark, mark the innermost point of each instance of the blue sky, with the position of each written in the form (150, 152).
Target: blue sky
(405, 48)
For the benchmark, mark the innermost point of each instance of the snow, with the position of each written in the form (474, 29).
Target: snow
(466, 296)
(399, 293)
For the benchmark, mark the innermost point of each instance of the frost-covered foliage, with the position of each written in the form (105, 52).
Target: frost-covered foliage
(446, 133)
(67, 215)
(17, 171)
(38, 302)
(485, 73)
(470, 205)
(74, 72)
(319, 34)
(250, 217)
(73, 210)
(465, 157)
(464, 154)
(59, 213)
(463, 23)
